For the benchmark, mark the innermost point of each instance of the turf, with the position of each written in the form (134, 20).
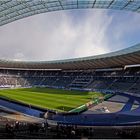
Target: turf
(56, 99)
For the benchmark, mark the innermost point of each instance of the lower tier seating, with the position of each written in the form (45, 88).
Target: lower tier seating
(127, 80)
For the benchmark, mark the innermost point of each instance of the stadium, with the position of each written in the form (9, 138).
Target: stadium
(89, 97)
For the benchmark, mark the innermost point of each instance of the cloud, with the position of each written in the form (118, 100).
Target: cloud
(59, 35)
(19, 56)
(124, 30)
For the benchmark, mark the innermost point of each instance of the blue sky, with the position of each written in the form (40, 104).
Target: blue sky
(69, 34)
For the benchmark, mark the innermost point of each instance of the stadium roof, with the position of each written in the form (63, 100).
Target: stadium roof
(11, 10)
(129, 56)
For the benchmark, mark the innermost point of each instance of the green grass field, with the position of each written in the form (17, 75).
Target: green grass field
(55, 99)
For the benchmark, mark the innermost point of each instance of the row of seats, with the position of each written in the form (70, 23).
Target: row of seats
(127, 80)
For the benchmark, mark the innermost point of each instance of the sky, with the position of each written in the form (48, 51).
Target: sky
(69, 34)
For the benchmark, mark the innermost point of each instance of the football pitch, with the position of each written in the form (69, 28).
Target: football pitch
(55, 99)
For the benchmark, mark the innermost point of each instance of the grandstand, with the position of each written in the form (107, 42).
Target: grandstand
(116, 75)
(114, 79)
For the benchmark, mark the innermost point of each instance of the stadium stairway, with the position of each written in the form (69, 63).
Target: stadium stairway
(128, 105)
